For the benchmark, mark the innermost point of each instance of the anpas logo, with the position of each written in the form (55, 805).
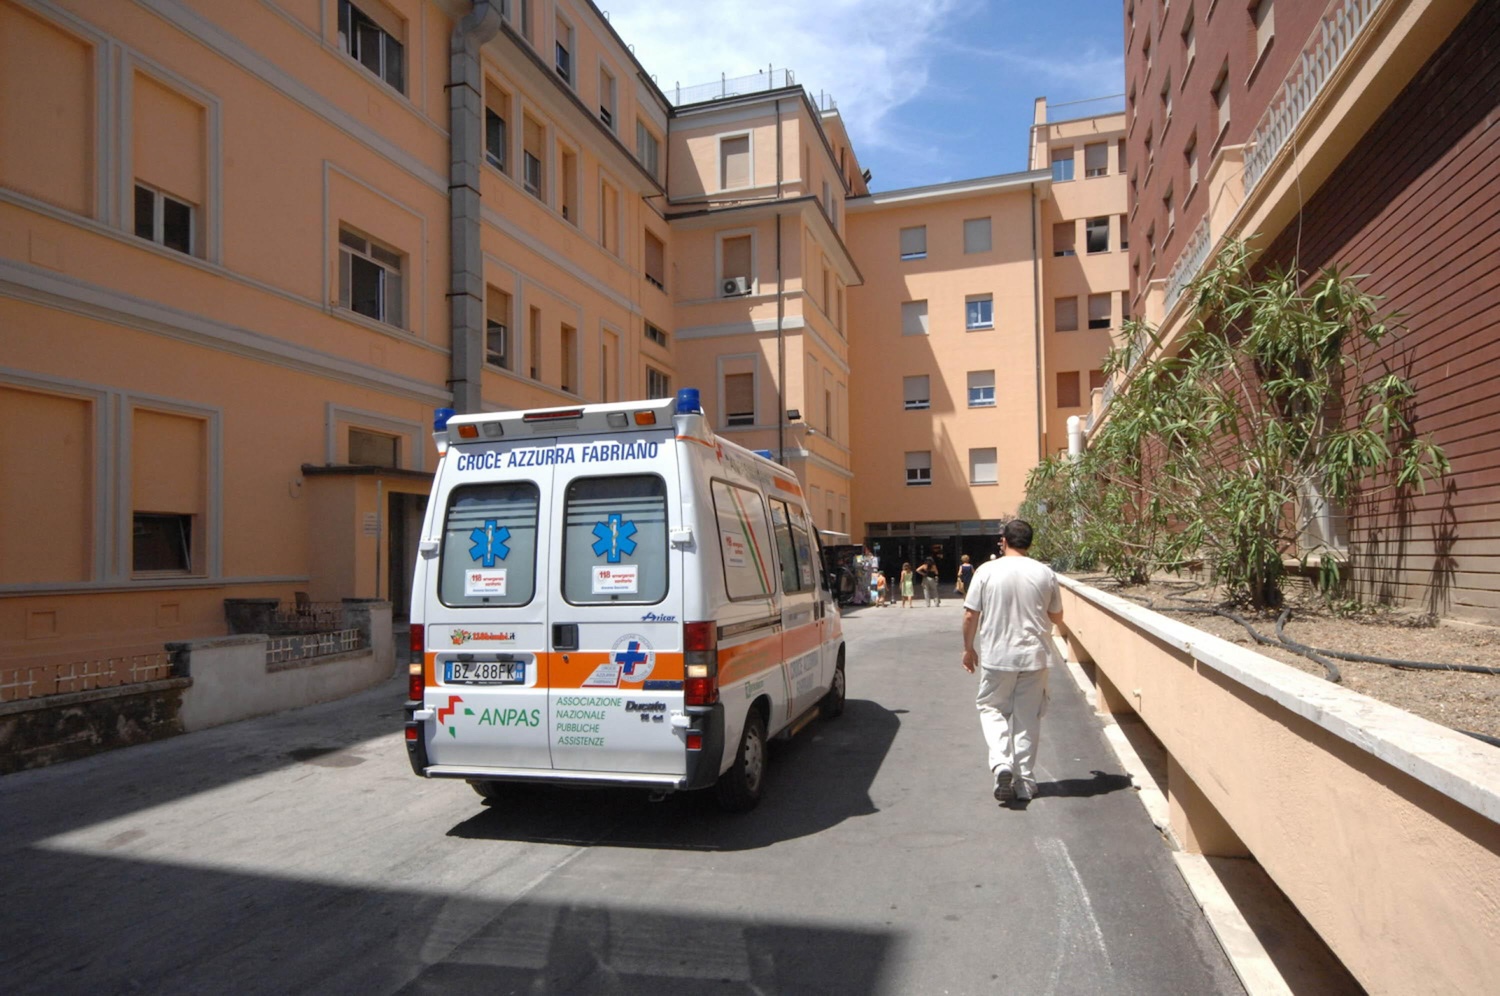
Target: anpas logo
(634, 655)
(462, 636)
(488, 717)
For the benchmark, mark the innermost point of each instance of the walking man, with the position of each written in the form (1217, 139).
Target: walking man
(1008, 615)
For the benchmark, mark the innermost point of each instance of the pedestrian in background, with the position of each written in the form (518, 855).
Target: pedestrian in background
(1009, 611)
(883, 595)
(965, 575)
(929, 575)
(906, 585)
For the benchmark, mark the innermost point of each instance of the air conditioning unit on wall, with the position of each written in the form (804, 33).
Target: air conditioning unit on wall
(735, 287)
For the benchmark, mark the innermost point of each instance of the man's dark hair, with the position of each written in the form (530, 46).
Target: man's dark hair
(1017, 533)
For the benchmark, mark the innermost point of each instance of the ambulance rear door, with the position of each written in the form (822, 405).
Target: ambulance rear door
(616, 608)
(486, 616)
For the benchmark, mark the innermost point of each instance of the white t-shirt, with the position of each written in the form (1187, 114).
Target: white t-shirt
(1013, 596)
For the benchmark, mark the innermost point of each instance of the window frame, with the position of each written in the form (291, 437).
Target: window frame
(916, 404)
(443, 592)
(974, 305)
(915, 475)
(975, 392)
(351, 43)
(914, 254)
(158, 232)
(566, 539)
(386, 267)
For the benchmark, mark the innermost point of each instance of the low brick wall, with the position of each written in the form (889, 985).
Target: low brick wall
(1382, 827)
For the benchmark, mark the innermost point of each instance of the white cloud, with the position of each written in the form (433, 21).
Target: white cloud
(871, 56)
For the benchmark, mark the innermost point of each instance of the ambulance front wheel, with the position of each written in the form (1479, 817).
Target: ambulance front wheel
(739, 788)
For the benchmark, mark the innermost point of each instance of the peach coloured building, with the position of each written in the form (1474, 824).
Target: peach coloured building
(987, 309)
(246, 249)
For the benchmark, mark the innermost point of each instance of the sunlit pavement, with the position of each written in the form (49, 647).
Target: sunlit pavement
(298, 853)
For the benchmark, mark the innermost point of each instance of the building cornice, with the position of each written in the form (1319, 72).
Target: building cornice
(952, 190)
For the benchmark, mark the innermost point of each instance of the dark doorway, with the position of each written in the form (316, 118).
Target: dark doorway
(404, 517)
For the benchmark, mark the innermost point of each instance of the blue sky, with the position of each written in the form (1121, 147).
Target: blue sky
(931, 90)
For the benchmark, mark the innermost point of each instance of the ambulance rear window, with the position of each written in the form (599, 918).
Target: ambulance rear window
(615, 540)
(489, 545)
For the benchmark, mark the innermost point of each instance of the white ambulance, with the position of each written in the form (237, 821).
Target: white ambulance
(612, 595)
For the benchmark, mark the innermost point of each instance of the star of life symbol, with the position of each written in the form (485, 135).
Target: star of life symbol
(489, 543)
(614, 539)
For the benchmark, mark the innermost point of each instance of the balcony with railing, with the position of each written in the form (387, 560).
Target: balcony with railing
(726, 87)
(1338, 29)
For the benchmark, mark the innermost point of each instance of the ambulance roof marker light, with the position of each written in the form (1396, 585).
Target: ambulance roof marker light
(440, 417)
(617, 420)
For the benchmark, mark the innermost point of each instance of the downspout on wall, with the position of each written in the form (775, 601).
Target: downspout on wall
(780, 311)
(466, 154)
(1036, 297)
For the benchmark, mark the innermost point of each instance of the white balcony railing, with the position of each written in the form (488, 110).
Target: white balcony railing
(1337, 30)
(1194, 255)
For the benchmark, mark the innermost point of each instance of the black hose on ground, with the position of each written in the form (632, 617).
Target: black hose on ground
(1388, 661)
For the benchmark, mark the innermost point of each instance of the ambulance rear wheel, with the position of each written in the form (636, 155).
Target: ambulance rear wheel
(739, 788)
(832, 705)
(488, 791)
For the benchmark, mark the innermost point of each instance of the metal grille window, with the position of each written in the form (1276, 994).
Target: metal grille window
(371, 45)
(916, 392)
(370, 281)
(979, 312)
(163, 219)
(981, 388)
(658, 384)
(919, 468)
(914, 242)
(655, 334)
(1096, 234)
(1096, 159)
(913, 317)
(739, 399)
(977, 235)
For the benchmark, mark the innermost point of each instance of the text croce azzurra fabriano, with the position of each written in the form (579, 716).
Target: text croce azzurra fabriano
(547, 456)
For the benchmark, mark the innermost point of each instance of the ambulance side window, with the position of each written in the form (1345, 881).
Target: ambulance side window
(489, 545)
(615, 540)
(786, 547)
(802, 537)
(744, 541)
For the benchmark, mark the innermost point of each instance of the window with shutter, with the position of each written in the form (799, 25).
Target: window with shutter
(915, 392)
(1096, 159)
(1065, 238)
(739, 399)
(977, 235)
(914, 242)
(982, 465)
(914, 318)
(736, 255)
(1065, 314)
(734, 162)
(1099, 305)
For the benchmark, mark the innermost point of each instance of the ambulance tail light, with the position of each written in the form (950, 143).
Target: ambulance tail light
(700, 645)
(418, 642)
(415, 684)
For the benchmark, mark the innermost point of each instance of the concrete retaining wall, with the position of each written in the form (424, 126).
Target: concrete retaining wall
(231, 680)
(1383, 828)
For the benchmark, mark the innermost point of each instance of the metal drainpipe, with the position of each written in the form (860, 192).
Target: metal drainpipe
(466, 150)
(780, 311)
(1036, 294)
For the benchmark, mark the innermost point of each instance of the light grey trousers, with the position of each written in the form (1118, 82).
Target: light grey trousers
(1011, 704)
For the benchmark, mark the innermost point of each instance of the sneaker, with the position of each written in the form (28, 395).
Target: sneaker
(1025, 790)
(1005, 789)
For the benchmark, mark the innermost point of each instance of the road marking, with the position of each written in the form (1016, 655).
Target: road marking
(1076, 922)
